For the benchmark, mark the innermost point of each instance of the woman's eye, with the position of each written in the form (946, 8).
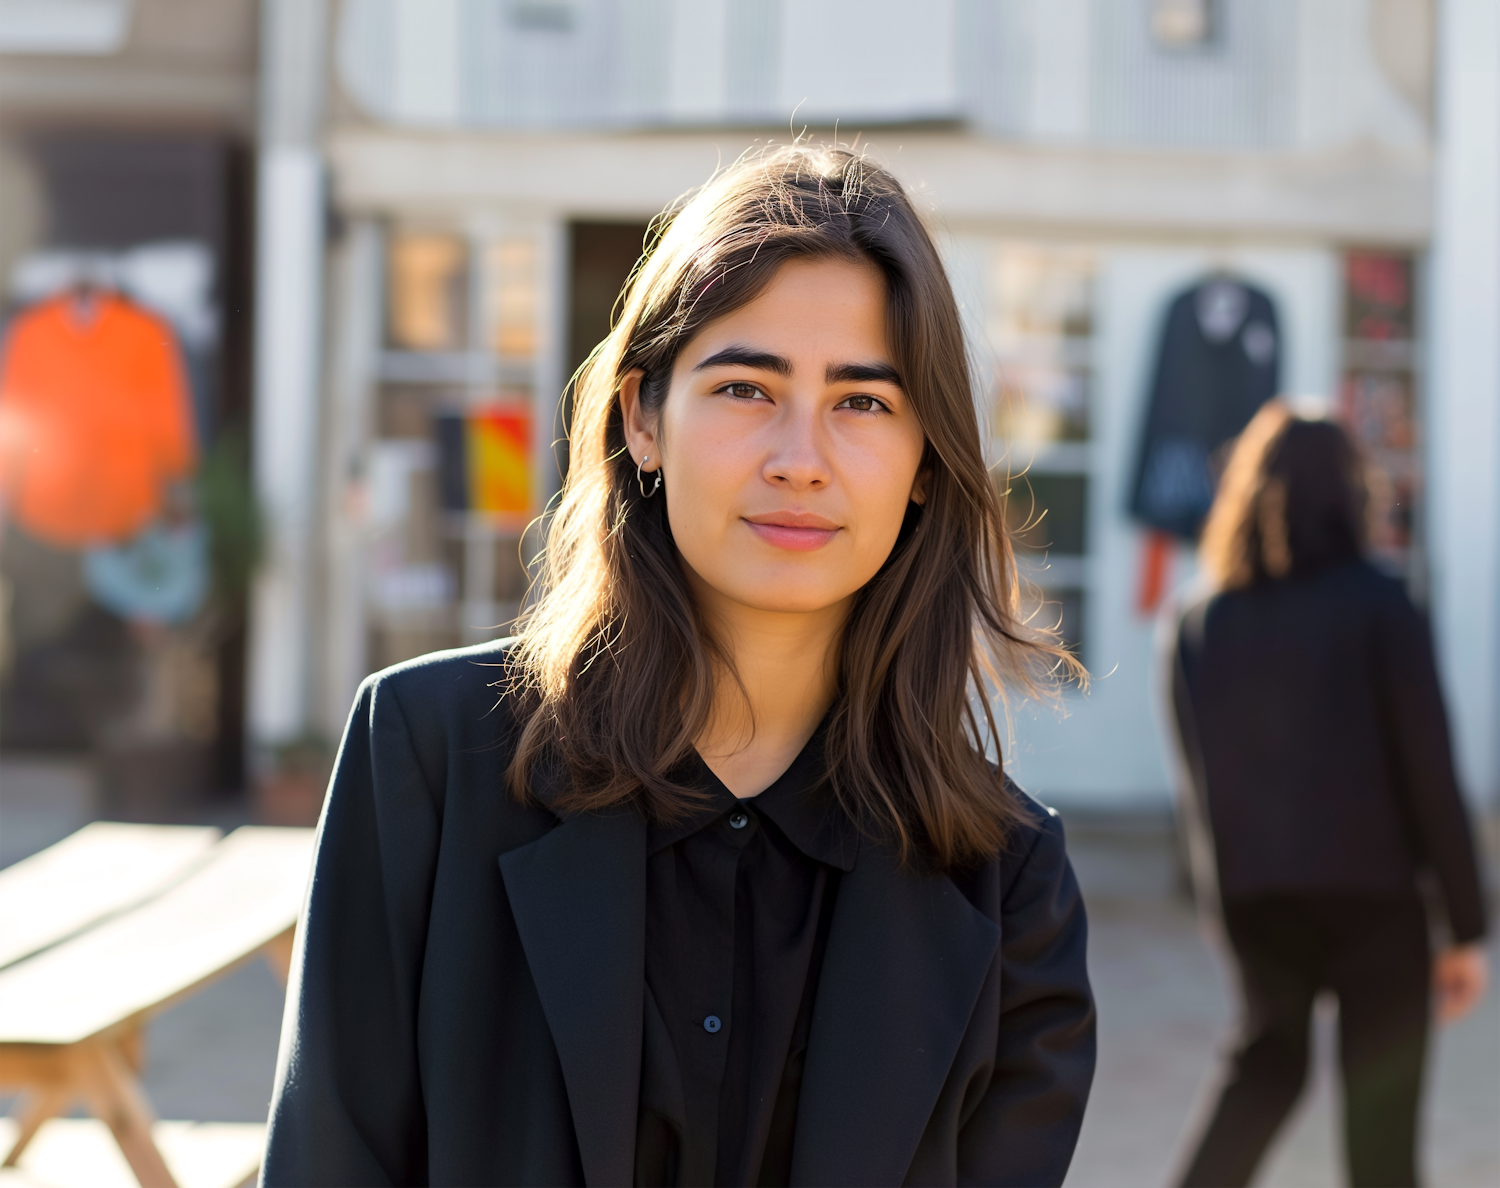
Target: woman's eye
(862, 404)
(741, 391)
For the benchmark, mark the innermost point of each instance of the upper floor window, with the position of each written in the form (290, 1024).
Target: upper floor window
(1182, 24)
(73, 27)
(543, 16)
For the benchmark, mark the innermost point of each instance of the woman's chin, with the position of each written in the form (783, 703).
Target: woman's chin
(781, 599)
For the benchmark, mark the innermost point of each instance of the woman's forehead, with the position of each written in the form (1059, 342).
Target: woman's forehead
(812, 313)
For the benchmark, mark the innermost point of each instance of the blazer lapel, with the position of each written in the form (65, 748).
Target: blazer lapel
(907, 956)
(578, 895)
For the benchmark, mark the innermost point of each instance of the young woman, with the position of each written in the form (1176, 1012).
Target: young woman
(705, 878)
(1311, 721)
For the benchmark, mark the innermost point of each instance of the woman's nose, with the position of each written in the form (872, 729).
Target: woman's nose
(798, 457)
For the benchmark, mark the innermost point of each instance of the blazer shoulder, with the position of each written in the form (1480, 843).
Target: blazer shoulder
(446, 703)
(440, 684)
(1035, 814)
(1032, 866)
(1036, 838)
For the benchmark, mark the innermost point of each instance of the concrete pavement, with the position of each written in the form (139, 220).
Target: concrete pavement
(1163, 1009)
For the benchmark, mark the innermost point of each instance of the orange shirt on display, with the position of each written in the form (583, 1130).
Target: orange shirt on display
(95, 420)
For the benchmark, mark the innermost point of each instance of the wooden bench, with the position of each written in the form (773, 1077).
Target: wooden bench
(72, 1015)
(102, 870)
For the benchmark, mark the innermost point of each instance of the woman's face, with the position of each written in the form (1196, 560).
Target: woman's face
(788, 449)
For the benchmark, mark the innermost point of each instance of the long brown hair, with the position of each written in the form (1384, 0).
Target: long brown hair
(1292, 501)
(615, 672)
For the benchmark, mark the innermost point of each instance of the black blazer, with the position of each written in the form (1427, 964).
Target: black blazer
(1312, 723)
(467, 993)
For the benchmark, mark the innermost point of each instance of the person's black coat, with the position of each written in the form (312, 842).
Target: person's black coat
(1312, 722)
(1217, 362)
(466, 999)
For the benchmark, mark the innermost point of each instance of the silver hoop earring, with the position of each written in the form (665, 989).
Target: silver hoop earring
(645, 494)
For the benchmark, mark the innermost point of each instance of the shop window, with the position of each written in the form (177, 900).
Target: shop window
(123, 580)
(1040, 328)
(1043, 402)
(1040, 325)
(511, 285)
(427, 288)
(1048, 512)
(1379, 400)
(452, 474)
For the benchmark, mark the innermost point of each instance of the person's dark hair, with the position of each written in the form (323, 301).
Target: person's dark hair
(1292, 501)
(614, 670)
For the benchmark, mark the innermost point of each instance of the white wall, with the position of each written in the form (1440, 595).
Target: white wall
(425, 77)
(1463, 421)
(868, 59)
(695, 66)
(1287, 74)
(1061, 69)
(1342, 93)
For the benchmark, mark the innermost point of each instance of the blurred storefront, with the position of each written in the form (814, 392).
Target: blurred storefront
(494, 165)
(128, 519)
(350, 251)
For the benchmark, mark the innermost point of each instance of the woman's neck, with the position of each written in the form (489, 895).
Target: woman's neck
(787, 665)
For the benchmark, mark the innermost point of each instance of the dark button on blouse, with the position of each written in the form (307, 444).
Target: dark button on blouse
(738, 902)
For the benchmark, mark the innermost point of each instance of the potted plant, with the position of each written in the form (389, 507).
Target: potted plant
(291, 788)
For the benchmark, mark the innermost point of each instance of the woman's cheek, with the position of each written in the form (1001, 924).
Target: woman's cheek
(711, 477)
(699, 507)
(881, 489)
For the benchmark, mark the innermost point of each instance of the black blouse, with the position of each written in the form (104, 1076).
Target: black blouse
(739, 897)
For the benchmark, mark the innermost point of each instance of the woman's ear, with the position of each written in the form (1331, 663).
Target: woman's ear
(640, 430)
(919, 485)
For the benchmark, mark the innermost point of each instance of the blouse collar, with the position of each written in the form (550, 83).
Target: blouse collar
(799, 801)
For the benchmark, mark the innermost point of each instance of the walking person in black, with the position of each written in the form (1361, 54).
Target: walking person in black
(1321, 785)
(705, 878)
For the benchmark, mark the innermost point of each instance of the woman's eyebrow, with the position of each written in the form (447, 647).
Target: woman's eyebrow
(861, 373)
(739, 356)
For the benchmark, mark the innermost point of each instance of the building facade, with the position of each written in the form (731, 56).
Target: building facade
(493, 166)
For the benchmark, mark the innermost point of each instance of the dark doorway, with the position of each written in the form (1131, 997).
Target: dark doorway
(601, 256)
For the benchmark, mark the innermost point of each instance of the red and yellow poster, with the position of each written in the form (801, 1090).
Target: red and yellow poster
(499, 460)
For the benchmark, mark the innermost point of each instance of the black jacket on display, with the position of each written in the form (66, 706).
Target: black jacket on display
(1312, 722)
(466, 1004)
(1218, 361)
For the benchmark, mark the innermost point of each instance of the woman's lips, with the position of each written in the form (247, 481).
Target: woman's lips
(798, 534)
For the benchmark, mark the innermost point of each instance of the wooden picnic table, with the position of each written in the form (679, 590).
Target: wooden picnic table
(113, 925)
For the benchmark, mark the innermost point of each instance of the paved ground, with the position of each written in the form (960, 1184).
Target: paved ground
(1162, 1010)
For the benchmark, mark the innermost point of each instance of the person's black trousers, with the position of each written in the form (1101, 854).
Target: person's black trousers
(1373, 954)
